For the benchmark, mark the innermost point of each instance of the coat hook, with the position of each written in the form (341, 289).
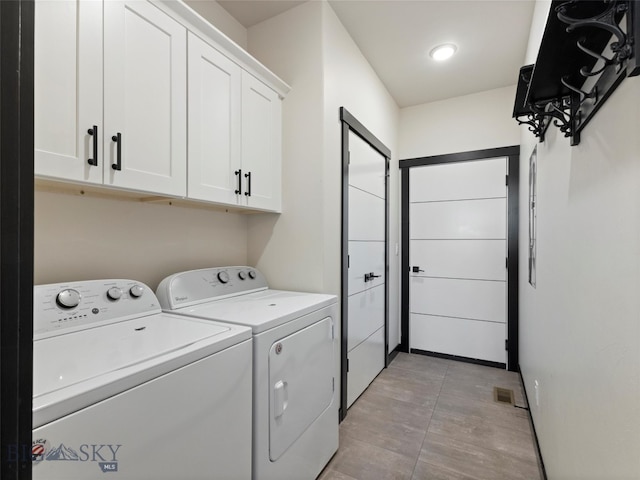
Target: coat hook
(583, 71)
(583, 96)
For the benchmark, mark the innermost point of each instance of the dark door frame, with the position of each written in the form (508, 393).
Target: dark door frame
(16, 237)
(513, 183)
(350, 123)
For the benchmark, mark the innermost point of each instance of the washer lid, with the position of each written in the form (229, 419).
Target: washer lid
(78, 369)
(261, 310)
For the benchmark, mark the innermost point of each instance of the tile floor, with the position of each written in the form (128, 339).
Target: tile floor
(426, 418)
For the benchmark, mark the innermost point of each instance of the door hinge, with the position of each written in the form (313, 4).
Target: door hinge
(506, 345)
(506, 180)
(506, 263)
(347, 365)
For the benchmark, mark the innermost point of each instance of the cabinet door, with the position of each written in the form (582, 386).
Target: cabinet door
(261, 144)
(145, 98)
(68, 89)
(214, 124)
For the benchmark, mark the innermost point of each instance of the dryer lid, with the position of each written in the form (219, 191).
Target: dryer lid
(75, 370)
(262, 310)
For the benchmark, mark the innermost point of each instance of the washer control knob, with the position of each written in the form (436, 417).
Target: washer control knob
(252, 274)
(114, 293)
(223, 276)
(68, 298)
(242, 275)
(136, 291)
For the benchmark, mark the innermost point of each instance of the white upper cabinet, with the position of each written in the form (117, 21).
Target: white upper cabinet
(234, 133)
(214, 124)
(261, 145)
(145, 98)
(149, 97)
(68, 90)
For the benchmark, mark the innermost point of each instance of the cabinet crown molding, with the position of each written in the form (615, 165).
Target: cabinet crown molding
(210, 34)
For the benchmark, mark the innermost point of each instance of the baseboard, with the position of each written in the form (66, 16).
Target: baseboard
(457, 358)
(394, 353)
(543, 471)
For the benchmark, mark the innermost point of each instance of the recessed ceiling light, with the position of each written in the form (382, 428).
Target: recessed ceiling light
(443, 52)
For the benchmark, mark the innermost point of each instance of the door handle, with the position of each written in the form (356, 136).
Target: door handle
(94, 133)
(416, 270)
(368, 277)
(239, 175)
(118, 139)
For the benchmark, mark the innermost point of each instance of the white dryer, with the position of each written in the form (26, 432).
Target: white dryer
(124, 389)
(295, 419)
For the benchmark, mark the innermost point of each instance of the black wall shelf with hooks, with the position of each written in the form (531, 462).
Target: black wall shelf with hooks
(587, 49)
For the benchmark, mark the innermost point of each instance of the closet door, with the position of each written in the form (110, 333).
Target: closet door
(367, 270)
(214, 172)
(145, 98)
(68, 90)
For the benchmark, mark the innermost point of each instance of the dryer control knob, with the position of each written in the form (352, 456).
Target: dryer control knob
(68, 298)
(252, 274)
(114, 293)
(242, 275)
(136, 291)
(223, 277)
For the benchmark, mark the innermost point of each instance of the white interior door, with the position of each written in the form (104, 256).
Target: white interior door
(458, 249)
(366, 279)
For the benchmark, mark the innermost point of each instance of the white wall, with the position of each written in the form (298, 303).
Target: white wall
(471, 122)
(218, 16)
(350, 82)
(289, 248)
(580, 326)
(82, 238)
(309, 48)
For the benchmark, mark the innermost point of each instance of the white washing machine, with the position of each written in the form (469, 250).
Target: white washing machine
(295, 418)
(124, 389)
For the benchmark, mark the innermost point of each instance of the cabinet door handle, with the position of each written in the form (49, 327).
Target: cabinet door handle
(118, 139)
(239, 175)
(248, 177)
(94, 132)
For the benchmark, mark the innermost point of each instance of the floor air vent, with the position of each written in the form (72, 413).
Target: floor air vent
(503, 395)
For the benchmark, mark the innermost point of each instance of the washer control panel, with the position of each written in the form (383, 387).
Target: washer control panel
(66, 307)
(196, 286)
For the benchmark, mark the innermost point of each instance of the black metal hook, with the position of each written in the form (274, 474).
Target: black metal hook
(605, 21)
(581, 94)
(607, 61)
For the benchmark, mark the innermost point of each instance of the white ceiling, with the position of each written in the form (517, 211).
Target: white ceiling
(396, 36)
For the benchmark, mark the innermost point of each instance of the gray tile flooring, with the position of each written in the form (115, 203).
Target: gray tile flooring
(426, 418)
